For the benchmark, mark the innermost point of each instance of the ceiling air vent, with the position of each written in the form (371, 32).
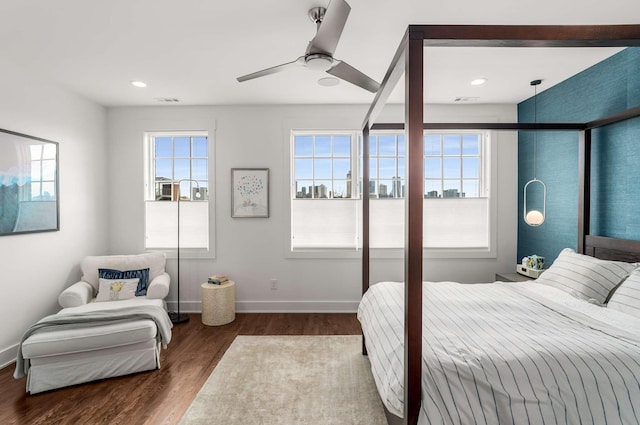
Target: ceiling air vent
(466, 99)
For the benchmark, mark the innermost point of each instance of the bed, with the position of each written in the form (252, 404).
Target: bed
(408, 61)
(521, 353)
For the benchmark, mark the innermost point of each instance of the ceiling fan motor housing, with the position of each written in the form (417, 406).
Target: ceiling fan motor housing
(318, 62)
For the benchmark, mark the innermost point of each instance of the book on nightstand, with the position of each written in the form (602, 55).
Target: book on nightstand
(217, 280)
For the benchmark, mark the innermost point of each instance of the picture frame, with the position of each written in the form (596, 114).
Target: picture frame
(29, 184)
(250, 192)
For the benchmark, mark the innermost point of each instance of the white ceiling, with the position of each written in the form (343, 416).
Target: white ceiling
(193, 50)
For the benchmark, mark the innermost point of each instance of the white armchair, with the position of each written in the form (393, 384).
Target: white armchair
(83, 291)
(59, 357)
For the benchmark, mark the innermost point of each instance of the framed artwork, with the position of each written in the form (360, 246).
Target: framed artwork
(249, 192)
(29, 200)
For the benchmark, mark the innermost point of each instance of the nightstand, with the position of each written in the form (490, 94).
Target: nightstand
(512, 277)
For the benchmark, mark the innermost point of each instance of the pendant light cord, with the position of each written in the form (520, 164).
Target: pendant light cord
(535, 133)
(535, 83)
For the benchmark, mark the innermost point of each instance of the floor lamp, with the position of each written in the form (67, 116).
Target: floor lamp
(176, 316)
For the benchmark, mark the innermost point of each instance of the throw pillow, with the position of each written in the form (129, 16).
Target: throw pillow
(142, 275)
(117, 289)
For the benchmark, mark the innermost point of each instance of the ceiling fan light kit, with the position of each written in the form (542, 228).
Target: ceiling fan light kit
(328, 81)
(319, 54)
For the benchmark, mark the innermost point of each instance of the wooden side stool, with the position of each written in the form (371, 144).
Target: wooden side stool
(218, 303)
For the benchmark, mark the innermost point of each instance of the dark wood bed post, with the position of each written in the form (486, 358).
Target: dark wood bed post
(414, 133)
(365, 217)
(584, 169)
(584, 190)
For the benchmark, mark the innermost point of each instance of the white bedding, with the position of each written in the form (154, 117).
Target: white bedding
(504, 353)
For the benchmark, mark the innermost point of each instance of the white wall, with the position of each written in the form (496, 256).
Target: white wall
(252, 251)
(35, 268)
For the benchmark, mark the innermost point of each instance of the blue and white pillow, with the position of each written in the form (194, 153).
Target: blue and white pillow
(585, 277)
(142, 274)
(627, 297)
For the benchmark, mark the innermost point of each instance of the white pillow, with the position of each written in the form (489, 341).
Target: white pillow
(585, 277)
(627, 297)
(117, 289)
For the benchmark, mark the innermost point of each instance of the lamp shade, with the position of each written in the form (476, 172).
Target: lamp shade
(534, 218)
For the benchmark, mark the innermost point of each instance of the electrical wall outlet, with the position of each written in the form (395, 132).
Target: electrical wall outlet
(274, 284)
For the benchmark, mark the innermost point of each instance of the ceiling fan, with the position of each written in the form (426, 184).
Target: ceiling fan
(319, 54)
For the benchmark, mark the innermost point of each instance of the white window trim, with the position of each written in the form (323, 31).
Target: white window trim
(489, 151)
(149, 183)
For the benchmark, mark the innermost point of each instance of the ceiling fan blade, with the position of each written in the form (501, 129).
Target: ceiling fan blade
(348, 73)
(330, 29)
(272, 70)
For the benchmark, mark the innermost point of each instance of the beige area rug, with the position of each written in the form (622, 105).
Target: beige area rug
(289, 380)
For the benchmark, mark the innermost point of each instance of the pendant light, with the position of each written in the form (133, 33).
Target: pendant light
(535, 216)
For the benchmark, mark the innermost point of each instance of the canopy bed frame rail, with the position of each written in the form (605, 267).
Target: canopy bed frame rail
(409, 60)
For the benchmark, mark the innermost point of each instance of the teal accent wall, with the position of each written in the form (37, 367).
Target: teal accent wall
(610, 86)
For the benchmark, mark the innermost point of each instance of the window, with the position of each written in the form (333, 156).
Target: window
(326, 202)
(178, 168)
(452, 165)
(386, 165)
(454, 168)
(324, 207)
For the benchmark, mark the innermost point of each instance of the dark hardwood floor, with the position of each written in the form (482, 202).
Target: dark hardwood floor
(161, 396)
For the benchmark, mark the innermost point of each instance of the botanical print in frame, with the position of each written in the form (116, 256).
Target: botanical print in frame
(28, 184)
(249, 192)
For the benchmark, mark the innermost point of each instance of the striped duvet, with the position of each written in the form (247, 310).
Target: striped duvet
(503, 354)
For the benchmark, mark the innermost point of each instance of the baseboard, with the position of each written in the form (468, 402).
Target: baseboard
(297, 306)
(8, 355)
(276, 306)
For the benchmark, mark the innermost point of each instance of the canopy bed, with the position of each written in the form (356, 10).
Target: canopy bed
(409, 60)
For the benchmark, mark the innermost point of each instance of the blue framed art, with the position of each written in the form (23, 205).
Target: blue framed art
(29, 192)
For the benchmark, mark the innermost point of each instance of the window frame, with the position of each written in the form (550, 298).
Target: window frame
(150, 190)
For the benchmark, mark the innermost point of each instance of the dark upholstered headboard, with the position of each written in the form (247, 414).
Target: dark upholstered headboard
(612, 248)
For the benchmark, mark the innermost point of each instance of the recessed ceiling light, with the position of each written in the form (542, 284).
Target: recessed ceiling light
(328, 81)
(478, 81)
(139, 84)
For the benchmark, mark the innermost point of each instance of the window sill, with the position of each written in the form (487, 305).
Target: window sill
(186, 253)
(389, 253)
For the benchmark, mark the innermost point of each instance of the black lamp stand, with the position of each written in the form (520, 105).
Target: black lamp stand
(176, 316)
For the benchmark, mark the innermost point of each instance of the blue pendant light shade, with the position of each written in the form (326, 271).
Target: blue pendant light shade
(535, 216)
